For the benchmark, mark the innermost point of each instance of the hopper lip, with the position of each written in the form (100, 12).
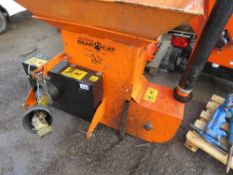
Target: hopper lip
(163, 7)
(133, 37)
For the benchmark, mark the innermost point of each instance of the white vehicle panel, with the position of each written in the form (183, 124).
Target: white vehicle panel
(11, 6)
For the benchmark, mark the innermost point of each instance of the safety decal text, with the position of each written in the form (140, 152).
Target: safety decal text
(151, 95)
(36, 61)
(74, 73)
(94, 78)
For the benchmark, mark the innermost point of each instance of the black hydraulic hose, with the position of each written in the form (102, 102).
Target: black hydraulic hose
(215, 24)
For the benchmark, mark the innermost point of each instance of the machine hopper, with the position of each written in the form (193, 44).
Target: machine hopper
(146, 19)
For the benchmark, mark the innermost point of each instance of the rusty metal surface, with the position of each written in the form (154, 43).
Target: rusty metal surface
(143, 18)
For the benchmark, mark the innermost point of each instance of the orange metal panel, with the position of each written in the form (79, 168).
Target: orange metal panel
(98, 32)
(100, 113)
(164, 116)
(53, 62)
(223, 57)
(142, 18)
(122, 67)
(114, 60)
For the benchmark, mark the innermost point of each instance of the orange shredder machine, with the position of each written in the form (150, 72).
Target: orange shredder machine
(99, 75)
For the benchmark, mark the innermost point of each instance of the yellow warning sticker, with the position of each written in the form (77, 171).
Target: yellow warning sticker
(94, 78)
(151, 95)
(36, 61)
(74, 73)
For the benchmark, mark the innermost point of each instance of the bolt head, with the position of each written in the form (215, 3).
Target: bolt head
(148, 126)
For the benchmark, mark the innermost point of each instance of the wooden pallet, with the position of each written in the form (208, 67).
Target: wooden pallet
(195, 142)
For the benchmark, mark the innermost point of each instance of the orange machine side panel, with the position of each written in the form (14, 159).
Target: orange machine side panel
(145, 19)
(164, 116)
(114, 60)
(223, 57)
(122, 68)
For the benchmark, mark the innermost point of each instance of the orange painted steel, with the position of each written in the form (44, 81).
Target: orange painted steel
(114, 38)
(30, 100)
(165, 116)
(139, 18)
(223, 56)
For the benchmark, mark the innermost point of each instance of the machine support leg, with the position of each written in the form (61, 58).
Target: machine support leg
(124, 120)
(96, 119)
(215, 24)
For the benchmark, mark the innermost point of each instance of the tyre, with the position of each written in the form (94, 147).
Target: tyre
(174, 59)
(178, 58)
(3, 23)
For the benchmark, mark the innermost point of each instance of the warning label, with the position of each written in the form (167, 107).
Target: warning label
(151, 95)
(36, 61)
(74, 73)
(94, 78)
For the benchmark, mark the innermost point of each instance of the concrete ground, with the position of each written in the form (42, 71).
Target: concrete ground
(66, 151)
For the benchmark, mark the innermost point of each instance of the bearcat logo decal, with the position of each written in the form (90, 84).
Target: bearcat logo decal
(96, 45)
